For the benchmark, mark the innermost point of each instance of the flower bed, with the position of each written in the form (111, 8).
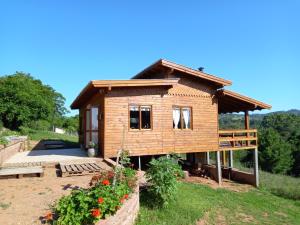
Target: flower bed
(107, 194)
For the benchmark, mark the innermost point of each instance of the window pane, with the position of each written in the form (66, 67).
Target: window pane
(95, 137)
(87, 120)
(146, 117)
(186, 113)
(176, 118)
(94, 118)
(134, 117)
(87, 139)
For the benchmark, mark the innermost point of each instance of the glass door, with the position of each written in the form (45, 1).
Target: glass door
(91, 126)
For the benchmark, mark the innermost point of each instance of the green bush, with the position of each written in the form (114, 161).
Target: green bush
(162, 176)
(43, 125)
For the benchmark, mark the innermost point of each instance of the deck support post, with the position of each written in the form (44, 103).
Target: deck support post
(140, 164)
(230, 159)
(219, 170)
(256, 175)
(207, 158)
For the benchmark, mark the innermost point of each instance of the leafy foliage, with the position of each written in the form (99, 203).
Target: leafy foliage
(275, 154)
(162, 176)
(24, 99)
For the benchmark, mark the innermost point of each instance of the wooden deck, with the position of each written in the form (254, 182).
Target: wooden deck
(237, 139)
(79, 169)
(19, 172)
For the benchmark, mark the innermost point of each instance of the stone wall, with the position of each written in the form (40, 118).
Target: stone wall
(127, 214)
(12, 149)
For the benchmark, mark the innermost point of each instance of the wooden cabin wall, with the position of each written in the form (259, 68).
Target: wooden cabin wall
(162, 138)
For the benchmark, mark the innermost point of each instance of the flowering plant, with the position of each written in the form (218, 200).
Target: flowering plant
(102, 199)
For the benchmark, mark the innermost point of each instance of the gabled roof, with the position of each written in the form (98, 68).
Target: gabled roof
(162, 63)
(93, 86)
(229, 101)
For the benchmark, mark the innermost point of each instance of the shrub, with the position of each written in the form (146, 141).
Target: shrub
(40, 125)
(162, 176)
(102, 199)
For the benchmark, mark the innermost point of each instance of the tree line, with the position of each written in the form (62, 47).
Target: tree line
(27, 103)
(279, 139)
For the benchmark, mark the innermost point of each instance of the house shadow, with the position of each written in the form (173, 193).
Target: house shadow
(46, 144)
(61, 152)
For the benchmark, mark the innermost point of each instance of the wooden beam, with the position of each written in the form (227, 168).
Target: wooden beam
(247, 120)
(247, 124)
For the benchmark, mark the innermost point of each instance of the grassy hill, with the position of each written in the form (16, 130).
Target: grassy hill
(200, 204)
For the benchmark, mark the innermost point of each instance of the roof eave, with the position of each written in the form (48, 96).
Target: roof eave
(162, 62)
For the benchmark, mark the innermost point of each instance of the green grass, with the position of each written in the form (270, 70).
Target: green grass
(71, 141)
(281, 185)
(195, 201)
(38, 135)
(49, 135)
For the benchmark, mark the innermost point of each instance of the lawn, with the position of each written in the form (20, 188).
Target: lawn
(197, 202)
(281, 185)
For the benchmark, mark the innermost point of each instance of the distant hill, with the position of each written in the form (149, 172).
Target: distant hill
(236, 121)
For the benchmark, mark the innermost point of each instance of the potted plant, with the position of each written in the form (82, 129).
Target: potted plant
(92, 149)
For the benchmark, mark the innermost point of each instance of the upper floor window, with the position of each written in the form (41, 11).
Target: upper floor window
(140, 117)
(182, 117)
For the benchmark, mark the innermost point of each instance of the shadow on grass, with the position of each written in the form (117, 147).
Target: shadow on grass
(147, 199)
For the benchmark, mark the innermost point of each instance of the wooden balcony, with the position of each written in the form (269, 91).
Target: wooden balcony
(237, 139)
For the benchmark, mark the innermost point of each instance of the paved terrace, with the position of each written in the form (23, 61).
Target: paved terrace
(51, 156)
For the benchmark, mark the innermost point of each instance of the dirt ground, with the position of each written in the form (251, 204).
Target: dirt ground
(24, 201)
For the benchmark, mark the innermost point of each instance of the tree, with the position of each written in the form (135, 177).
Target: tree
(275, 153)
(284, 123)
(24, 99)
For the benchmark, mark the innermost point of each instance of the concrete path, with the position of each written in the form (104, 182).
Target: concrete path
(48, 156)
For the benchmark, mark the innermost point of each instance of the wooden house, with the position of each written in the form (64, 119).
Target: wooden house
(166, 108)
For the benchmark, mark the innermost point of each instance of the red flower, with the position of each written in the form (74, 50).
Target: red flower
(49, 216)
(100, 200)
(95, 212)
(122, 200)
(125, 196)
(105, 182)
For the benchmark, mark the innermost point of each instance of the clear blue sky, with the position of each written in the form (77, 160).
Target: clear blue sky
(256, 44)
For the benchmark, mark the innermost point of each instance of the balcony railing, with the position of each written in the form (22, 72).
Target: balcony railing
(237, 139)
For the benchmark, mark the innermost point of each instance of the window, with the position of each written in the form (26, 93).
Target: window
(182, 117)
(140, 117)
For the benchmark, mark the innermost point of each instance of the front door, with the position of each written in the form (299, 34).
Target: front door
(91, 126)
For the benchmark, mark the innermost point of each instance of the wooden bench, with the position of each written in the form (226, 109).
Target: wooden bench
(19, 172)
(79, 169)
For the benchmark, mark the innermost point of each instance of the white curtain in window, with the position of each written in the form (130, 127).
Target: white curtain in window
(186, 117)
(176, 117)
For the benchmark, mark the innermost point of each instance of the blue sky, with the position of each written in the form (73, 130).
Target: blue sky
(256, 44)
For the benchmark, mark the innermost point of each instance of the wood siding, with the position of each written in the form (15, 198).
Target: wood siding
(162, 138)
